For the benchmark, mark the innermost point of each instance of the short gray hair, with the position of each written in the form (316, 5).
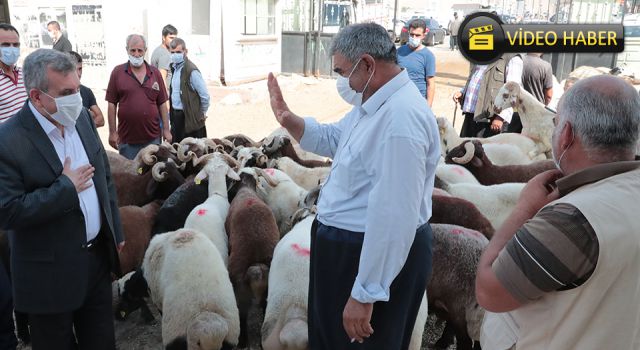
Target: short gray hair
(605, 119)
(131, 36)
(177, 42)
(35, 68)
(355, 40)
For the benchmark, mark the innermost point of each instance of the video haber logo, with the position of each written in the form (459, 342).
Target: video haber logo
(484, 38)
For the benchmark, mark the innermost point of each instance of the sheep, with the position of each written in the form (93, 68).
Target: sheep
(451, 290)
(447, 209)
(281, 146)
(187, 281)
(136, 225)
(176, 208)
(131, 177)
(495, 202)
(470, 154)
(304, 155)
(285, 321)
(209, 216)
(537, 120)
(306, 178)
(449, 139)
(242, 140)
(281, 194)
(249, 157)
(454, 174)
(253, 235)
(191, 148)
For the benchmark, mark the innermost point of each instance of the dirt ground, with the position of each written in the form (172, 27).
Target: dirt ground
(245, 109)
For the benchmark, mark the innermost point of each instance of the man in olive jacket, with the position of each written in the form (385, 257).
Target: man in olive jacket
(189, 95)
(58, 204)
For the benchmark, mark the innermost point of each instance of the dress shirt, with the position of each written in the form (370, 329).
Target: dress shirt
(197, 83)
(71, 146)
(384, 159)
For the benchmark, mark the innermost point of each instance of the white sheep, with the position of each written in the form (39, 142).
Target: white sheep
(209, 217)
(449, 139)
(537, 120)
(190, 285)
(453, 174)
(307, 178)
(495, 202)
(281, 194)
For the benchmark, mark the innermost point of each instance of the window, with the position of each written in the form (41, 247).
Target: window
(259, 17)
(200, 10)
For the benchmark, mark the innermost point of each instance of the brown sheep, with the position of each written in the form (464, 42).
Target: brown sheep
(461, 212)
(281, 146)
(471, 155)
(136, 225)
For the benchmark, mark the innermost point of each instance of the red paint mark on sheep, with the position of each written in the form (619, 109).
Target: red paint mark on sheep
(458, 171)
(300, 251)
(201, 212)
(249, 202)
(457, 231)
(270, 171)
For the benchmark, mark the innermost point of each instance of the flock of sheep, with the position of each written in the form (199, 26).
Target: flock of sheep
(217, 231)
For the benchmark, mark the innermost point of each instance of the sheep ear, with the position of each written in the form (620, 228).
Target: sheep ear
(201, 176)
(233, 175)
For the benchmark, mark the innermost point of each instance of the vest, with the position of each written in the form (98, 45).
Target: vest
(603, 313)
(493, 78)
(193, 117)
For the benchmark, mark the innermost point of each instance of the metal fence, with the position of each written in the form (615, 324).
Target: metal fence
(299, 54)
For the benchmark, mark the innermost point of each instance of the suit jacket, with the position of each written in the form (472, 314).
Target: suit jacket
(39, 207)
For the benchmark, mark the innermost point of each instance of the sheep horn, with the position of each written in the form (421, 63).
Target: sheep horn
(148, 154)
(202, 159)
(230, 160)
(210, 145)
(169, 147)
(468, 155)
(181, 167)
(220, 149)
(271, 181)
(158, 172)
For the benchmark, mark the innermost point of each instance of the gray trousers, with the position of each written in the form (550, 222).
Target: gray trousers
(130, 151)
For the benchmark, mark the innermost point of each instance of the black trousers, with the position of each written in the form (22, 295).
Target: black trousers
(516, 124)
(92, 322)
(7, 332)
(335, 256)
(177, 117)
(471, 128)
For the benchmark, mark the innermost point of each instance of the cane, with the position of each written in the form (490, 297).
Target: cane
(455, 112)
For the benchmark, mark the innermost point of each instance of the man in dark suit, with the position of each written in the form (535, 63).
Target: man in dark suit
(58, 203)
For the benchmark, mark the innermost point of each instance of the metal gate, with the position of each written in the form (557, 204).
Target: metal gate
(299, 53)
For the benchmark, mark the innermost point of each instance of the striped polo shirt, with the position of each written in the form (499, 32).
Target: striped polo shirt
(12, 94)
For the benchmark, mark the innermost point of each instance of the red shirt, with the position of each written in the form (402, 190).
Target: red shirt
(138, 104)
(12, 94)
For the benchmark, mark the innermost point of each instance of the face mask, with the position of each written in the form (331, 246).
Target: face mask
(136, 61)
(69, 108)
(51, 35)
(414, 42)
(177, 58)
(347, 93)
(558, 161)
(9, 55)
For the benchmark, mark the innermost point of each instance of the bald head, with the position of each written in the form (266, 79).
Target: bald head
(604, 112)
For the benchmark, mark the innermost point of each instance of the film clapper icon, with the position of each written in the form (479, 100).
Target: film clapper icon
(479, 41)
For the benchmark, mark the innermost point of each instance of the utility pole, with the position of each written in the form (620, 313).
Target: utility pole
(395, 17)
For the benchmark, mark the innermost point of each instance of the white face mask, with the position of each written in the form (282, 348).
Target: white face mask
(345, 90)
(51, 35)
(68, 109)
(136, 61)
(177, 58)
(9, 55)
(558, 161)
(414, 42)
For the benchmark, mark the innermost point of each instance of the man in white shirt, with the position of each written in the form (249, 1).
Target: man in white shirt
(371, 243)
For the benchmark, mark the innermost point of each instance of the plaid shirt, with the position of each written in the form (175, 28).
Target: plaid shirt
(471, 93)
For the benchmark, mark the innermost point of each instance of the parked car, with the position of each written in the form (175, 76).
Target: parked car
(394, 33)
(435, 33)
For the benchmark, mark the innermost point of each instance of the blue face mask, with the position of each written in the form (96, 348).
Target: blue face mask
(9, 55)
(414, 42)
(177, 58)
